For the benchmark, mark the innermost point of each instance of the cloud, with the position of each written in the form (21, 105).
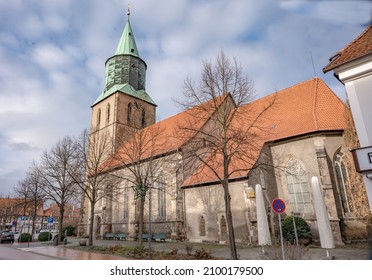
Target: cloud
(53, 56)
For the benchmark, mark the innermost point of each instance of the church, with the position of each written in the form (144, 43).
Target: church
(301, 136)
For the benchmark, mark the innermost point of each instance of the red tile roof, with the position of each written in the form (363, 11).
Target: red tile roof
(305, 108)
(358, 48)
(308, 107)
(164, 136)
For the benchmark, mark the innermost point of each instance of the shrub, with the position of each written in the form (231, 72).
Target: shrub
(69, 230)
(202, 254)
(44, 236)
(303, 229)
(25, 237)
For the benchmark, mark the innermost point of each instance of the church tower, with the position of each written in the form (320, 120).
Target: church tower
(124, 106)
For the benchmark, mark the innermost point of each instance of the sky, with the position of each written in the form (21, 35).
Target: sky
(53, 54)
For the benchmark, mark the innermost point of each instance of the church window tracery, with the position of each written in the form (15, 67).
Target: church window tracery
(342, 181)
(298, 188)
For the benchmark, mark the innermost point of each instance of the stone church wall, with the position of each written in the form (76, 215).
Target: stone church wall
(205, 213)
(313, 153)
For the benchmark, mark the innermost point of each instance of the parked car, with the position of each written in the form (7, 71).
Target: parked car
(6, 236)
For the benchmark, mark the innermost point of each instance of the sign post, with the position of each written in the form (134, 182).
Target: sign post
(50, 223)
(278, 206)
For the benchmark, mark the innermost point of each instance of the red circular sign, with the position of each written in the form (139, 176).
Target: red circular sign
(278, 205)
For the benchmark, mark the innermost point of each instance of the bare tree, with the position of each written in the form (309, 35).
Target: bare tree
(92, 151)
(223, 137)
(54, 171)
(29, 190)
(139, 156)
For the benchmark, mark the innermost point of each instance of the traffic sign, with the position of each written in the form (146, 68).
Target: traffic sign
(50, 220)
(278, 205)
(23, 218)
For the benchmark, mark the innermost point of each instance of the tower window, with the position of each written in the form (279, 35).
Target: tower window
(143, 122)
(129, 113)
(99, 117)
(108, 113)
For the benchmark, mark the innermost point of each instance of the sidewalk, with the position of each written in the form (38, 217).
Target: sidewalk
(347, 252)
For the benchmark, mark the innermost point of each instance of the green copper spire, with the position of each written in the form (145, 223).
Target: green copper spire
(127, 44)
(125, 70)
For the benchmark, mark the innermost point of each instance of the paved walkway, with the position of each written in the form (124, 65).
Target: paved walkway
(348, 252)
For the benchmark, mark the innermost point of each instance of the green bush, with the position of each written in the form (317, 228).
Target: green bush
(44, 236)
(25, 237)
(70, 230)
(303, 230)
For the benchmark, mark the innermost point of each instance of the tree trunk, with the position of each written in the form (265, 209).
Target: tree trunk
(140, 221)
(229, 220)
(60, 222)
(91, 224)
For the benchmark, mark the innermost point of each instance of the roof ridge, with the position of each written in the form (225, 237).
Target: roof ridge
(315, 103)
(282, 90)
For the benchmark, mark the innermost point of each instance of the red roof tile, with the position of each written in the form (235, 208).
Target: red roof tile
(358, 48)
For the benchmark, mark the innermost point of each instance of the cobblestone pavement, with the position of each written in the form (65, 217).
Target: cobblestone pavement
(347, 252)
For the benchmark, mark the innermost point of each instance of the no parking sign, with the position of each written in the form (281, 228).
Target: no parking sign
(278, 206)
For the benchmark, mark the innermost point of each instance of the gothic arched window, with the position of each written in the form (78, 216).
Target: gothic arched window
(108, 113)
(202, 226)
(342, 181)
(129, 113)
(99, 117)
(126, 202)
(223, 227)
(161, 197)
(143, 122)
(298, 188)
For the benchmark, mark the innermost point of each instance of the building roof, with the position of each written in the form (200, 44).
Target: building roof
(162, 137)
(127, 44)
(20, 206)
(358, 48)
(127, 89)
(302, 109)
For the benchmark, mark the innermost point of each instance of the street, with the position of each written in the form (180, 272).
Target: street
(10, 252)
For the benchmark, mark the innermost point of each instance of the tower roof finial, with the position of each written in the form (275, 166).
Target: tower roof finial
(128, 13)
